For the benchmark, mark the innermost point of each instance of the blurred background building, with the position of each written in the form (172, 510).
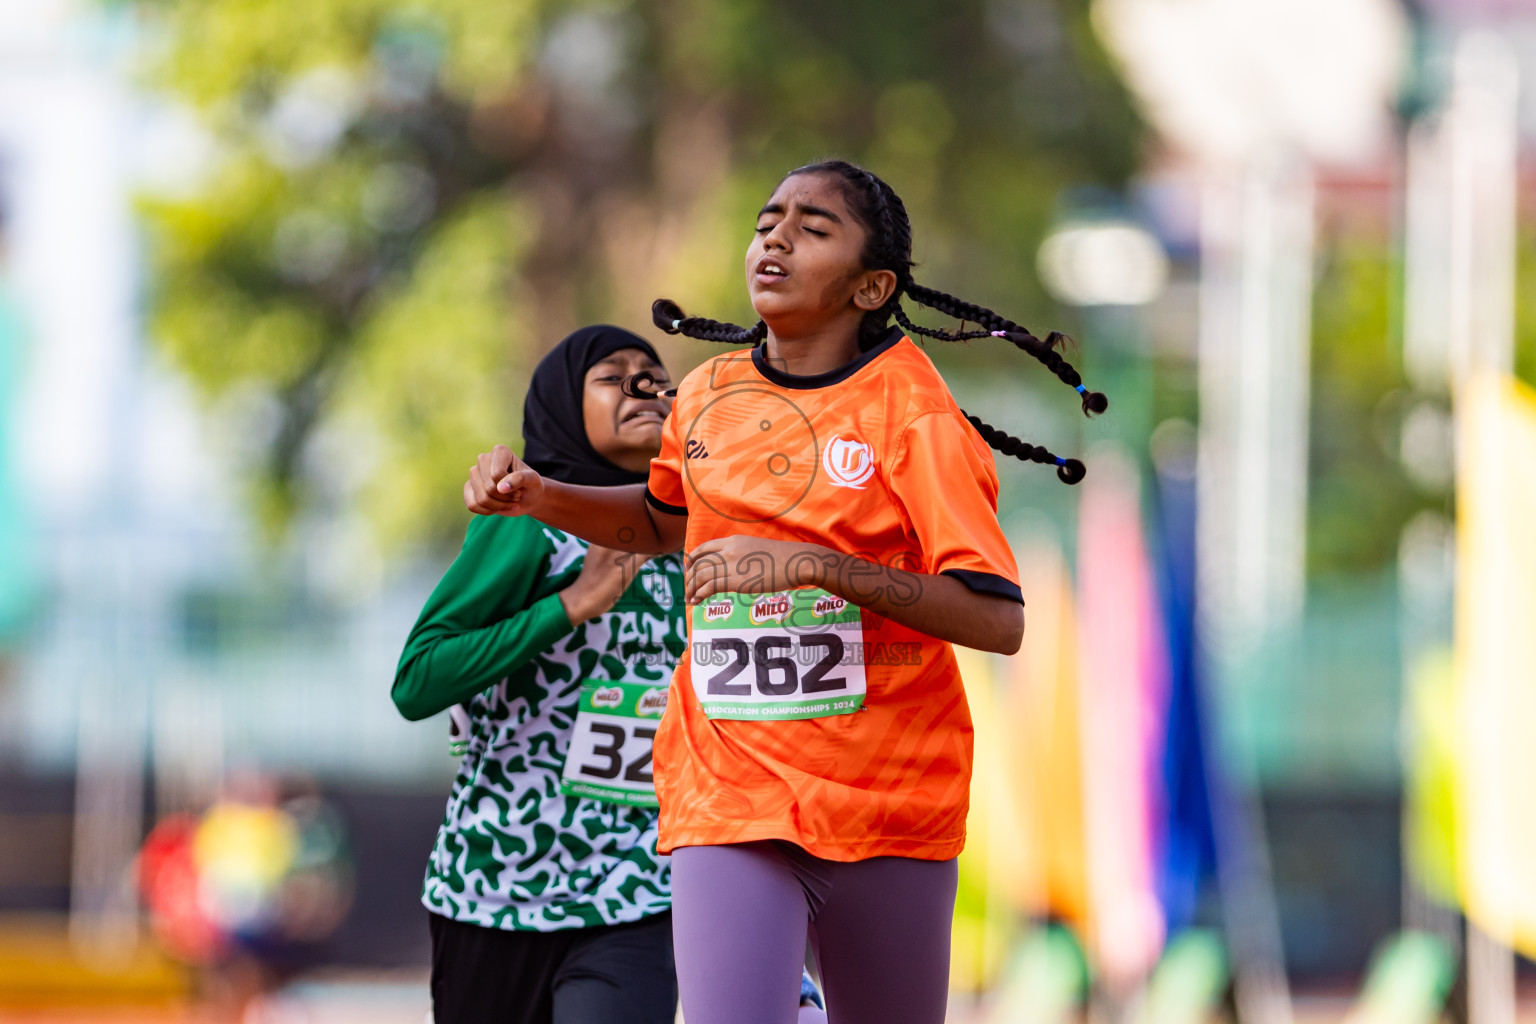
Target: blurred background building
(272, 274)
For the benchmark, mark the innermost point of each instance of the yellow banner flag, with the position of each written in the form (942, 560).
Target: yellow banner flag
(1496, 655)
(1045, 757)
(1025, 852)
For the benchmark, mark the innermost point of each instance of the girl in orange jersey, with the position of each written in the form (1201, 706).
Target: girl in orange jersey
(838, 513)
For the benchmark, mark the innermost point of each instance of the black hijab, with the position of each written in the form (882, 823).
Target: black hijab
(554, 433)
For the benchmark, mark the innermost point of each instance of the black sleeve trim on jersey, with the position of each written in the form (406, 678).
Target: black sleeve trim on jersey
(987, 583)
(657, 503)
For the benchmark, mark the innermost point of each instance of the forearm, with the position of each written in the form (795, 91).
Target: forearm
(615, 517)
(449, 668)
(940, 606)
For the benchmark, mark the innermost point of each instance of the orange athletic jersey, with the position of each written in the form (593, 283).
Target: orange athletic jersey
(873, 459)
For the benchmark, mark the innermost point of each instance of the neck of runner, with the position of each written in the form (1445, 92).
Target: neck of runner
(819, 351)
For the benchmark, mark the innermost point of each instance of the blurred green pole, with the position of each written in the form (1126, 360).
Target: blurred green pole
(1121, 367)
(18, 583)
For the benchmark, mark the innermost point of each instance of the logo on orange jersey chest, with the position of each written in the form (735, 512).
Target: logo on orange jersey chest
(848, 462)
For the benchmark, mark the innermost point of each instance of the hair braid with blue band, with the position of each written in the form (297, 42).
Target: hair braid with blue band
(888, 246)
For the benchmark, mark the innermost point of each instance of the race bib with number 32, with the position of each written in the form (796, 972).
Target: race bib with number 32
(610, 753)
(765, 657)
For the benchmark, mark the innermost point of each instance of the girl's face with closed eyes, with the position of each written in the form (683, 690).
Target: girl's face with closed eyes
(805, 266)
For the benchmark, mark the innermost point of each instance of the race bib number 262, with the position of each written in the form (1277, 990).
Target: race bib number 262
(766, 657)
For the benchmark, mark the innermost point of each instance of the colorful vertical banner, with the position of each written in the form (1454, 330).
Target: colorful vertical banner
(995, 865)
(1124, 671)
(1025, 853)
(1091, 803)
(1185, 837)
(1431, 773)
(1495, 659)
(1045, 754)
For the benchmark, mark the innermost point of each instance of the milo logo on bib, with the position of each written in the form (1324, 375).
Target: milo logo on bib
(770, 609)
(828, 605)
(767, 657)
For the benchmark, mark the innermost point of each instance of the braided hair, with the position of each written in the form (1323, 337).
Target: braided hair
(888, 246)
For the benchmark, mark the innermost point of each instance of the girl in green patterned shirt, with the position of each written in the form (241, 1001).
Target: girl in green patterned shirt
(548, 902)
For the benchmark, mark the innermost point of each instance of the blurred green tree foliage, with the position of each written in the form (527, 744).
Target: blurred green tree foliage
(1525, 310)
(1359, 497)
(411, 201)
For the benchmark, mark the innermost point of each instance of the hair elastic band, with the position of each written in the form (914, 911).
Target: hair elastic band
(1081, 390)
(999, 334)
(1060, 461)
(676, 324)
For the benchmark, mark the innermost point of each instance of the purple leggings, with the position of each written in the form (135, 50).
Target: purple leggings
(879, 930)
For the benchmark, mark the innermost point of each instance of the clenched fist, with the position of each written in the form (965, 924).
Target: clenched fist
(501, 484)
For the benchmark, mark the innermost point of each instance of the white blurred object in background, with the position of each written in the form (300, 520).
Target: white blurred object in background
(1224, 80)
(1103, 263)
(1459, 300)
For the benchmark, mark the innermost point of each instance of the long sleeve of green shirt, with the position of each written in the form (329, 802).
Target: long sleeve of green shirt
(496, 608)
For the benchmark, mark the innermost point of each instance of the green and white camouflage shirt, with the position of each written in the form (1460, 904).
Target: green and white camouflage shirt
(513, 851)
